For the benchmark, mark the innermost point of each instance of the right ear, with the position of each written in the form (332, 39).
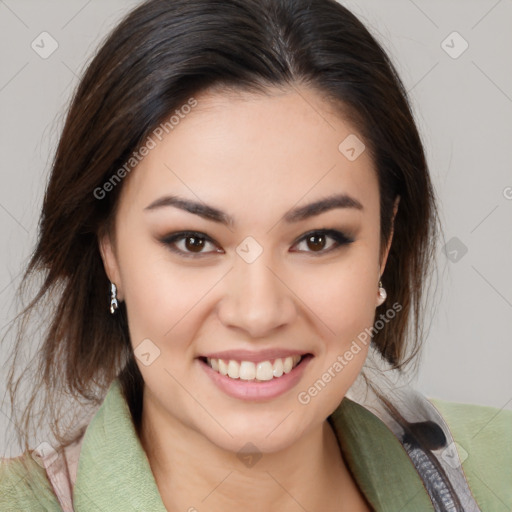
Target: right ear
(110, 261)
(382, 265)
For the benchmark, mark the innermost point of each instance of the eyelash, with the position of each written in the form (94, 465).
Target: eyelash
(340, 239)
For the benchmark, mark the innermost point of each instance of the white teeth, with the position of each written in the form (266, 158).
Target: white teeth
(288, 365)
(233, 369)
(247, 370)
(264, 371)
(223, 367)
(278, 368)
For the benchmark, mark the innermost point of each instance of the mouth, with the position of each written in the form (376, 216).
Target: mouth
(255, 371)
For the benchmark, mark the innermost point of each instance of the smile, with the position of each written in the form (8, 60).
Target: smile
(258, 371)
(265, 377)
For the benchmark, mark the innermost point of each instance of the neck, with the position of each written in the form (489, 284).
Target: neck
(194, 474)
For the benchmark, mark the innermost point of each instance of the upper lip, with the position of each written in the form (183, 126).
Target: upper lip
(254, 356)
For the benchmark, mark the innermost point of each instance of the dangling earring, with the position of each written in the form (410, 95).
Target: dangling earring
(113, 298)
(382, 294)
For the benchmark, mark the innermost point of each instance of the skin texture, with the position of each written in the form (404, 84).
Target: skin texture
(255, 157)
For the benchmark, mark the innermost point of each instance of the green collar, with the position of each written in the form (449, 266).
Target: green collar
(114, 473)
(378, 461)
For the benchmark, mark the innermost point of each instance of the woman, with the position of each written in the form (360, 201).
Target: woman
(235, 240)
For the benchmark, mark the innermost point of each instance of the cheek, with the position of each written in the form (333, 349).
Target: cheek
(342, 295)
(344, 314)
(161, 297)
(343, 298)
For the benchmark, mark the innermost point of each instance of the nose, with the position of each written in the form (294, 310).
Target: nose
(256, 299)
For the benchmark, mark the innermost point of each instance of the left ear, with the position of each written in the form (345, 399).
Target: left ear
(388, 245)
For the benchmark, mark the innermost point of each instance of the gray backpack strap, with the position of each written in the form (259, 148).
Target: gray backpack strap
(420, 428)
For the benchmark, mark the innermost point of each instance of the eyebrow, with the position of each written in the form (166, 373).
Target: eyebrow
(294, 215)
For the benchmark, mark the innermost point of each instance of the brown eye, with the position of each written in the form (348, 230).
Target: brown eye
(190, 244)
(317, 241)
(194, 243)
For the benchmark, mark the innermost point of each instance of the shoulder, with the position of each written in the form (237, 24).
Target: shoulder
(25, 486)
(483, 439)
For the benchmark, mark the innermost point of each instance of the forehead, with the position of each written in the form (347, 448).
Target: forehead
(246, 148)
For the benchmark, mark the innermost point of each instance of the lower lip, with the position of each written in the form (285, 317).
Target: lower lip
(251, 390)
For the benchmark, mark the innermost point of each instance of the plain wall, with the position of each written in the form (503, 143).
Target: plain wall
(463, 104)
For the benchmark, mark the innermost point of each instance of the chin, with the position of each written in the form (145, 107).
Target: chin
(268, 435)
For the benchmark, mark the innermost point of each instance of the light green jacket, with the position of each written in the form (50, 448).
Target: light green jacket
(113, 473)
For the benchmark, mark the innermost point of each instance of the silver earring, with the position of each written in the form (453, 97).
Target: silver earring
(382, 294)
(113, 298)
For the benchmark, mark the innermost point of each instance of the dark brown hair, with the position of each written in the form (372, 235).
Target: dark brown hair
(155, 60)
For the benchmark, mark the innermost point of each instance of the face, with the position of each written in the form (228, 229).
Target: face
(244, 270)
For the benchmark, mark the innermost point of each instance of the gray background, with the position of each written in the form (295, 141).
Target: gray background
(464, 109)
